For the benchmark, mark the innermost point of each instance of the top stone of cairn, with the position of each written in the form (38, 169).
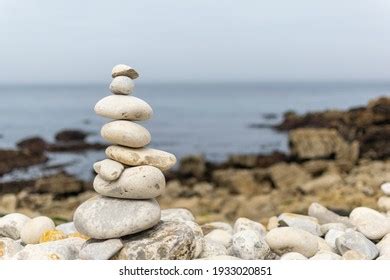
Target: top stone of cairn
(124, 70)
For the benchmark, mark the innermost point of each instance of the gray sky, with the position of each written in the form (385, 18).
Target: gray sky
(194, 40)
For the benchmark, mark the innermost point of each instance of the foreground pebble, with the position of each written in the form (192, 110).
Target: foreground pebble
(353, 240)
(122, 85)
(11, 225)
(371, 223)
(285, 239)
(248, 245)
(166, 241)
(247, 224)
(8, 248)
(126, 133)
(121, 107)
(100, 249)
(293, 256)
(143, 156)
(141, 182)
(325, 216)
(220, 236)
(108, 169)
(177, 215)
(213, 249)
(106, 218)
(33, 229)
(309, 224)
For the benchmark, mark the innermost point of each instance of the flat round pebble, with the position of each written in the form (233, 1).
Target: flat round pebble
(33, 229)
(122, 85)
(108, 169)
(285, 239)
(126, 133)
(248, 245)
(142, 156)
(11, 225)
(124, 70)
(141, 182)
(106, 218)
(123, 107)
(370, 222)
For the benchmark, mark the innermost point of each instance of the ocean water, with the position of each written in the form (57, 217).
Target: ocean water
(212, 119)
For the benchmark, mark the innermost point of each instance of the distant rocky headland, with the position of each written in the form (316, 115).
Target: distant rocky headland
(337, 158)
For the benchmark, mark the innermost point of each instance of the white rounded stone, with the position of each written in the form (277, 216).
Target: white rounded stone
(307, 223)
(121, 107)
(124, 70)
(177, 215)
(141, 182)
(385, 187)
(293, 256)
(353, 240)
(122, 85)
(67, 228)
(8, 248)
(33, 229)
(371, 223)
(286, 239)
(323, 246)
(108, 169)
(212, 249)
(248, 245)
(384, 203)
(126, 133)
(199, 238)
(11, 225)
(105, 218)
(245, 224)
(337, 226)
(331, 237)
(142, 156)
(384, 245)
(353, 255)
(325, 216)
(325, 255)
(220, 236)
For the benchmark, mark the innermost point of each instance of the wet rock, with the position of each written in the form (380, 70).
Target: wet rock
(11, 225)
(166, 241)
(100, 249)
(248, 245)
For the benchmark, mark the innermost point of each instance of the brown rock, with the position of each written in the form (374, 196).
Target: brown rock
(192, 166)
(59, 184)
(71, 135)
(33, 145)
(289, 176)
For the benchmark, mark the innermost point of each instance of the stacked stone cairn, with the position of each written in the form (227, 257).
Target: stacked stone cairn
(130, 179)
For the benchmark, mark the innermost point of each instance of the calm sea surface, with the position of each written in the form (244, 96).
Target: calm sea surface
(213, 119)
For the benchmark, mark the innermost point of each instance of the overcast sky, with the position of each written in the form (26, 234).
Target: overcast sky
(66, 41)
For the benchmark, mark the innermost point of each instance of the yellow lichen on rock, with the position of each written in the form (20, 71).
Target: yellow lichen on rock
(79, 235)
(51, 235)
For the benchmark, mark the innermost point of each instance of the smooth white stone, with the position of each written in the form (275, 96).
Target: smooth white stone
(8, 248)
(122, 85)
(106, 218)
(220, 236)
(245, 224)
(122, 107)
(142, 156)
(337, 226)
(331, 237)
(285, 239)
(67, 228)
(353, 255)
(385, 187)
(325, 216)
(371, 223)
(140, 182)
(384, 245)
(306, 223)
(384, 257)
(177, 215)
(325, 255)
(11, 225)
(323, 246)
(273, 222)
(124, 70)
(33, 229)
(353, 240)
(108, 169)
(294, 256)
(126, 133)
(248, 245)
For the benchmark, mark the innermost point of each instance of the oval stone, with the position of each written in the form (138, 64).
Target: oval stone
(11, 225)
(143, 156)
(122, 85)
(33, 229)
(371, 223)
(285, 239)
(108, 169)
(353, 240)
(124, 70)
(121, 107)
(141, 182)
(104, 217)
(126, 133)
